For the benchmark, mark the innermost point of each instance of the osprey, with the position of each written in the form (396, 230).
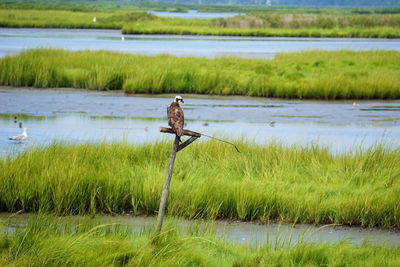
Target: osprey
(175, 116)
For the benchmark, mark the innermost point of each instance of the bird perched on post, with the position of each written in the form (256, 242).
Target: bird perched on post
(175, 116)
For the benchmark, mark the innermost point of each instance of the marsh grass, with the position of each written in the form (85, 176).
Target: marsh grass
(19, 117)
(161, 28)
(271, 182)
(303, 23)
(69, 19)
(46, 241)
(310, 74)
(105, 5)
(267, 25)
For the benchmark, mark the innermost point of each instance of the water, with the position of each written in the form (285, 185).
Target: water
(193, 14)
(88, 116)
(13, 41)
(253, 234)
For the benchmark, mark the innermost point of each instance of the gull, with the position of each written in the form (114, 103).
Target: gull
(20, 137)
(355, 104)
(122, 38)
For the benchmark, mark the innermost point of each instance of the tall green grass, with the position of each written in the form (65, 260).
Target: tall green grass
(49, 242)
(210, 180)
(309, 74)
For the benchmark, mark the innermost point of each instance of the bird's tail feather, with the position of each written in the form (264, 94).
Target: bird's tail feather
(179, 132)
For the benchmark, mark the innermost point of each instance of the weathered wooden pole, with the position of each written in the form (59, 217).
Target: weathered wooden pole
(175, 148)
(165, 192)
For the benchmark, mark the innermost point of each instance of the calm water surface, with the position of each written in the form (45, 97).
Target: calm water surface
(84, 116)
(13, 41)
(241, 232)
(193, 14)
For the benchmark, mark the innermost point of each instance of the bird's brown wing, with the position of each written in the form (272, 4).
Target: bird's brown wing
(176, 118)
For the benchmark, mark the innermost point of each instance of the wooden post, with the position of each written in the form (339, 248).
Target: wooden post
(185, 132)
(175, 148)
(186, 143)
(165, 192)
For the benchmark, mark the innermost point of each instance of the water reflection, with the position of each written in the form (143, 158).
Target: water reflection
(88, 116)
(194, 14)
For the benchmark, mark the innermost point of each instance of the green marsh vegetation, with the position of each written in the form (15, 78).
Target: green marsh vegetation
(103, 5)
(306, 75)
(269, 182)
(259, 21)
(24, 117)
(46, 241)
(68, 19)
(267, 24)
(87, 5)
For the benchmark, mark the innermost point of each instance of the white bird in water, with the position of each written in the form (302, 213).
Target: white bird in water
(20, 137)
(122, 38)
(355, 104)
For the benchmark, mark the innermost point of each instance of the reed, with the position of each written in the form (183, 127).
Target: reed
(271, 182)
(310, 74)
(49, 241)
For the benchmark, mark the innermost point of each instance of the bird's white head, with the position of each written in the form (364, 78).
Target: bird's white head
(178, 98)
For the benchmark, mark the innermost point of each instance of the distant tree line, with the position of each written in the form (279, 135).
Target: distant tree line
(294, 2)
(354, 3)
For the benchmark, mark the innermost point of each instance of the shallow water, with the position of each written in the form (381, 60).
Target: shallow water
(13, 41)
(77, 116)
(194, 14)
(273, 234)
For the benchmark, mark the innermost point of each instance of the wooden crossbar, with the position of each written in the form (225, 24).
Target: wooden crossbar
(185, 132)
